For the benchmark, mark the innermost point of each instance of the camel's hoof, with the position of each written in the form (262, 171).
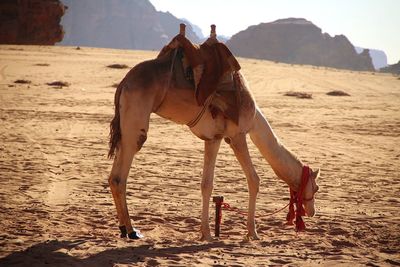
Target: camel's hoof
(135, 235)
(250, 237)
(207, 238)
(123, 231)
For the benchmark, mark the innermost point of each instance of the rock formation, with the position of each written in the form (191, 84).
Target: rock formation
(124, 24)
(196, 29)
(298, 41)
(379, 58)
(34, 22)
(395, 69)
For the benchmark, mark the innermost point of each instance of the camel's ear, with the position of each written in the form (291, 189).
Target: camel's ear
(315, 174)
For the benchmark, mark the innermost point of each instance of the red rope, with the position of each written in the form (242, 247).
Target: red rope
(295, 198)
(228, 207)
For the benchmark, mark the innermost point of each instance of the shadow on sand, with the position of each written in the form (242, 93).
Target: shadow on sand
(54, 253)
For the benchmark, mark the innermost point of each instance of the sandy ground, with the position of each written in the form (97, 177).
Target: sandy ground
(57, 209)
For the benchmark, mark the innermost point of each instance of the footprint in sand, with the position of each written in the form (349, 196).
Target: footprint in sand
(343, 244)
(2, 71)
(338, 231)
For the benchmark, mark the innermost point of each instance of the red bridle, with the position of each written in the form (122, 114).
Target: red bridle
(297, 198)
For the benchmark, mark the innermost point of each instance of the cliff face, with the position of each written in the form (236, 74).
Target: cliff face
(298, 41)
(125, 24)
(379, 58)
(31, 22)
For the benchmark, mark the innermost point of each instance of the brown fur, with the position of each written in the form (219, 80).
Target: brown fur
(139, 74)
(141, 140)
(146, 73)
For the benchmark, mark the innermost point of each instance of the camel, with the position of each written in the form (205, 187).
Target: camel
(156, 86)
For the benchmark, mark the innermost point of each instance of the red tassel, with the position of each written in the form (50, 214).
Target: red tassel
(300, 226)
(302, 211)
(299, 209)
(297, 197)
(291, 214)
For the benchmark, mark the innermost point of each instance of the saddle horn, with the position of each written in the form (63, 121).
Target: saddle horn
(213, 33)
(182, 28)
(213, 36)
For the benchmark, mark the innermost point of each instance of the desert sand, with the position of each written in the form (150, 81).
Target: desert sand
(56, 208)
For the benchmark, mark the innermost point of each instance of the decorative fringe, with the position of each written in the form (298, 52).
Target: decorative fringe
(297, 198)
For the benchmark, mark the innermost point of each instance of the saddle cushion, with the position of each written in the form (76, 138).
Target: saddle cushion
(211, 63)
(218, 61)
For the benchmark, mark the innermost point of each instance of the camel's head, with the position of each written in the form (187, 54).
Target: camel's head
(309, 193)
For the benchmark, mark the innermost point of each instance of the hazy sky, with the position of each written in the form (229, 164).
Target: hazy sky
(366, 23)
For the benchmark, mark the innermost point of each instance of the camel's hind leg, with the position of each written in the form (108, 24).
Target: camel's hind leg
(239, 146)
(134, 123)
(210, 155)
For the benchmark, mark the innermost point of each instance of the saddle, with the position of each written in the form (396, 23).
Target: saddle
(213, 70)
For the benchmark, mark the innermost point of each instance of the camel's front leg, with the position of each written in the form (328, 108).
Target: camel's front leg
(210, 155)
(239, 146)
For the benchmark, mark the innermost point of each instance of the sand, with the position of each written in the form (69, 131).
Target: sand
(57, 209)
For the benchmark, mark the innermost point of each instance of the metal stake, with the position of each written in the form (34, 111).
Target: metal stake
(218, 200)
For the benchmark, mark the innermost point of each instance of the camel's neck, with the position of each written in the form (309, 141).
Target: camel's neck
(286, 166)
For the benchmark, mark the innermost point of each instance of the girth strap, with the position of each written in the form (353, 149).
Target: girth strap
(199, 115)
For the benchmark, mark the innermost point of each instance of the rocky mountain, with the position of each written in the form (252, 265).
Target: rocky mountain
(298, 41)
(379, 58)
(395, 68)
(196, 29)
(35, 22)
(125, 24)
(201, 36)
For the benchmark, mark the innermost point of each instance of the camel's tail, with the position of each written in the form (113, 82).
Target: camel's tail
(115, 128)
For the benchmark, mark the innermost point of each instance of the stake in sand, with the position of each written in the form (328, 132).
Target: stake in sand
(218, 200)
